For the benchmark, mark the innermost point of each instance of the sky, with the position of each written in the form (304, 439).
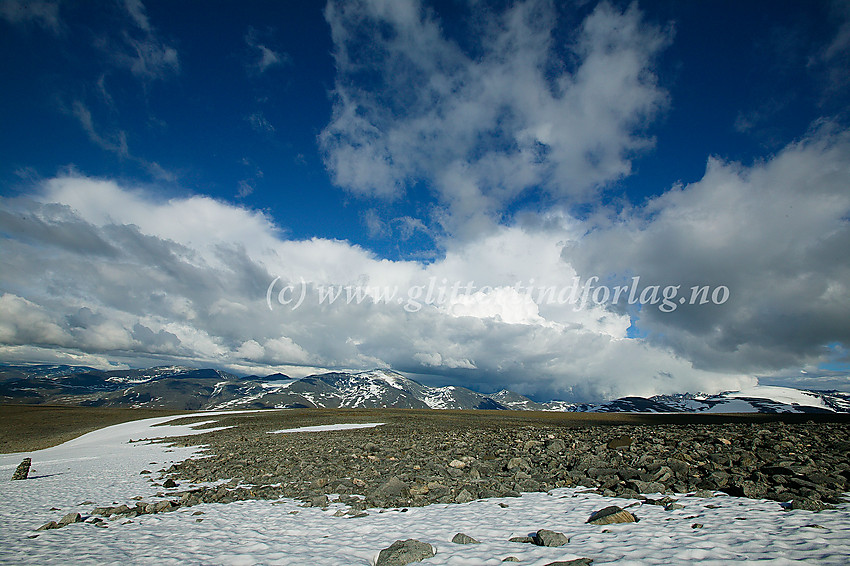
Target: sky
(572, 200)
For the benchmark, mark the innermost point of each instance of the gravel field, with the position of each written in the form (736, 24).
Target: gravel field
(416, 458)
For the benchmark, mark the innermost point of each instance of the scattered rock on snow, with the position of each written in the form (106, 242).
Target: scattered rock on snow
(704, 493)
(403, 552)
(545, 537)
(461, 538)
(464, 497)
(575, 562)
(609, 515)
(319, 501)
(70, 518)
(23, 470)
(808, 505)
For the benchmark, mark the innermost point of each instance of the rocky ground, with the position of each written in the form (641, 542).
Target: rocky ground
(418, 458)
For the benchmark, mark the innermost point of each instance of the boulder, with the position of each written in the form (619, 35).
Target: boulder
(319, 501)
(545, 537)
(461, 538)
(610, 515)
(555, 446)
(403, 552)
(808, 505)
(70, 518)
(517, 464)
(464, 497)
(23, 470)
(618, 442)
(394, 487)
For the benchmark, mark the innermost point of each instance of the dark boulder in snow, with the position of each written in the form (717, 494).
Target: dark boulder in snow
(403, 552)
(23, 470)
(462, 538)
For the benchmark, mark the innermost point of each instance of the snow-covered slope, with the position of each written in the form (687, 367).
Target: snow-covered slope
(759, 399)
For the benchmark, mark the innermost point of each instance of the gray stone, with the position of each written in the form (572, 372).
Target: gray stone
(461, 538)
(319, 501)
(574, 562)
(518, 463)
(403, 552)
(646, 486)
(394, 488)
(122, 510)
(525, 539)
(628, 473)
(718, 479)
(48, 526)
(23, 470)
(545, 537)
(464, 497)
(808, 505)
(70, 518)
(164, 506)
(510, 559)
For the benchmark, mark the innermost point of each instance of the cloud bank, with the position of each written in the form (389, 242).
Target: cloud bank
(483, 124)
(98, 270)
(103, 269)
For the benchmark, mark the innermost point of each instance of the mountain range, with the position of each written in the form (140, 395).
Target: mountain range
(185, 388)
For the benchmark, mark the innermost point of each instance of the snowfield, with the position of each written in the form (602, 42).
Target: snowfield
(323, 428)
(103, 468)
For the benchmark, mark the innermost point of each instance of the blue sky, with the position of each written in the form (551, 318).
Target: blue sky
(162, 163)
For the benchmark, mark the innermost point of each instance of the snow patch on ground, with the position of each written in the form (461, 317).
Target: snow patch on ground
(279, 384)
(103, 468)
(322, 428)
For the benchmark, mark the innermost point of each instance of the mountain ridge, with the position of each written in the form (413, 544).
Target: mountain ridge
(182, 387)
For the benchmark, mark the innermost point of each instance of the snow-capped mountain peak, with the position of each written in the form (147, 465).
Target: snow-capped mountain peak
(392, 378)
(189, 388)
